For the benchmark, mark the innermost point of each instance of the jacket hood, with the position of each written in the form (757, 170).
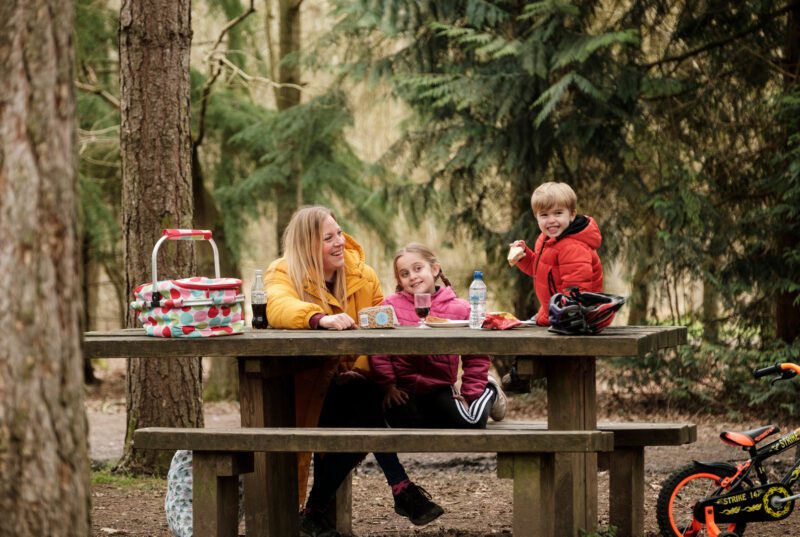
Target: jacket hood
(584, 229)
(354, 257)
(354, 263)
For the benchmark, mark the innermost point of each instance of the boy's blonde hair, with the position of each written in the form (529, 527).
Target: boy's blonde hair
(302, 250)
(551, 194)
(426, 254)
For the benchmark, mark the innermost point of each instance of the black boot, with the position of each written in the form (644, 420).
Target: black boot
(314, 524)
(415, 503)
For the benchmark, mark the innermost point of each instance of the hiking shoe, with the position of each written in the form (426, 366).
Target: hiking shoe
(314, 524)
(500, 404)
(415, 503)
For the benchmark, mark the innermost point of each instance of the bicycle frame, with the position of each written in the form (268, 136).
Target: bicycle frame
(759, 455)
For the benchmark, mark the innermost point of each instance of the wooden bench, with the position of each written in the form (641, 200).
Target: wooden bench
(625, 464)
(220, 455)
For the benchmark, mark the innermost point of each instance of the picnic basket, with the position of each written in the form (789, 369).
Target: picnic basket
(189, 307)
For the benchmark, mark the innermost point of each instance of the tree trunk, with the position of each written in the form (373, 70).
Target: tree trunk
(155, 148)
(223, 374)
(289, 197)
(710, 313)
(44, 466)
(787, 304)
(89, 300)
(642, 278)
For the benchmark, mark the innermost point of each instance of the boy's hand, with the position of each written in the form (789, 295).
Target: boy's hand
(516, 252)
(394, 397)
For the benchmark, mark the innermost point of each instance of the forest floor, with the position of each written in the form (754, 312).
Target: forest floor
(476, 502)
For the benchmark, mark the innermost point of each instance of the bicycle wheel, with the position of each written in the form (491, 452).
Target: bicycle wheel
(680, 492)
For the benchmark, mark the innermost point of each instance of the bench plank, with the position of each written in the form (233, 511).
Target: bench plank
(364, 440)
(627, 434)
(529, 452)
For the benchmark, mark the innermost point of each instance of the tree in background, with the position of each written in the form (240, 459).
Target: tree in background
(44, 465)
(155, 146)
(673, 120)
(99, 178)
(505, 95)
(708, 167)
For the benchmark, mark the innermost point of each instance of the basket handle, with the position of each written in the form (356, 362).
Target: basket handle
(181, 235)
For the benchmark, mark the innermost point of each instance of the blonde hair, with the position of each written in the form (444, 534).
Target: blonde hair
(426, 254)
(302, 250)
(551, 194)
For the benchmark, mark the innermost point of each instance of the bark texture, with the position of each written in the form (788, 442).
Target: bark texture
(44, 466)
(155, 146)
(287, 95)
(787, 304)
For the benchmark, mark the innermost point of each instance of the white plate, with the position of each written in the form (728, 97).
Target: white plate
(449, 324)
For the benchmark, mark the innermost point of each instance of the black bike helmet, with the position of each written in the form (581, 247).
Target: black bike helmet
(576, 312)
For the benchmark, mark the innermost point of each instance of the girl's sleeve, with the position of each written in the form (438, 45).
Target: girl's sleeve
(475, 376)
(575, 266)
(526, 264)
(382, 370)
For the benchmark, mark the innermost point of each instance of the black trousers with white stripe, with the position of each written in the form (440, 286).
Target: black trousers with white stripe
(438, 409)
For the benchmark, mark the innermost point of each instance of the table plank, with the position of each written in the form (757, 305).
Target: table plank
(537, 341)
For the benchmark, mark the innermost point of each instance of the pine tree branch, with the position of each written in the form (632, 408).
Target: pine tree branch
(214, 74)
(722, 42)
(232, 23)
(93, 86)
(237, 71)
(89, 88)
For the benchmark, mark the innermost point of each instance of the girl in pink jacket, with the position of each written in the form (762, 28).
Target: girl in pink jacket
(420, 390)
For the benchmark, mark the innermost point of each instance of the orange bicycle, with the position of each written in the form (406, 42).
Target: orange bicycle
(719, 499)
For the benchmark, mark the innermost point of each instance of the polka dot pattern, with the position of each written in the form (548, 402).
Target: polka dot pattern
(193, 307)
(178, 501)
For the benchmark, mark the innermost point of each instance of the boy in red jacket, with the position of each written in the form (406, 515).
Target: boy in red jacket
(565, 254)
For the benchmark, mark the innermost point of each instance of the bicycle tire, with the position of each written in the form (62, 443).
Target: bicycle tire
(673, 520)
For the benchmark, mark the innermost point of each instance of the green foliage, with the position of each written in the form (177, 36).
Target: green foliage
(707, 378)
(105, 476)
(504, 96)
(263, 149)
(99, 175)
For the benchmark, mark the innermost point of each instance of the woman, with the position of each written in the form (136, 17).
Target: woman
(321, 282)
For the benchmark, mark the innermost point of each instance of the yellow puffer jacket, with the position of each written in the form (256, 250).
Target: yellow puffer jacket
(286, 309)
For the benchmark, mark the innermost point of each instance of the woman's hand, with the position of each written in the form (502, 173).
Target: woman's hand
(340, 321)
(394, 397)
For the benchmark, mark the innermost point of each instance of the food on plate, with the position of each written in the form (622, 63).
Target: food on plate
(515, 253)
(432, 319)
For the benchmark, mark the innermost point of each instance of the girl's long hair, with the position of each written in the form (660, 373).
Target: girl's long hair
(302, 250)
(426, 254)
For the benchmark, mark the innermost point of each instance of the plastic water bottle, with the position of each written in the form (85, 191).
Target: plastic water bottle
(258, 302)
(477, 301)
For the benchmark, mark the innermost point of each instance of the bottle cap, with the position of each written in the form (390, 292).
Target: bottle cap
(259, 272)
(478, 275)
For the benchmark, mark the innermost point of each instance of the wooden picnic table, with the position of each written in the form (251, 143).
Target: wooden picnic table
(269, 358)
